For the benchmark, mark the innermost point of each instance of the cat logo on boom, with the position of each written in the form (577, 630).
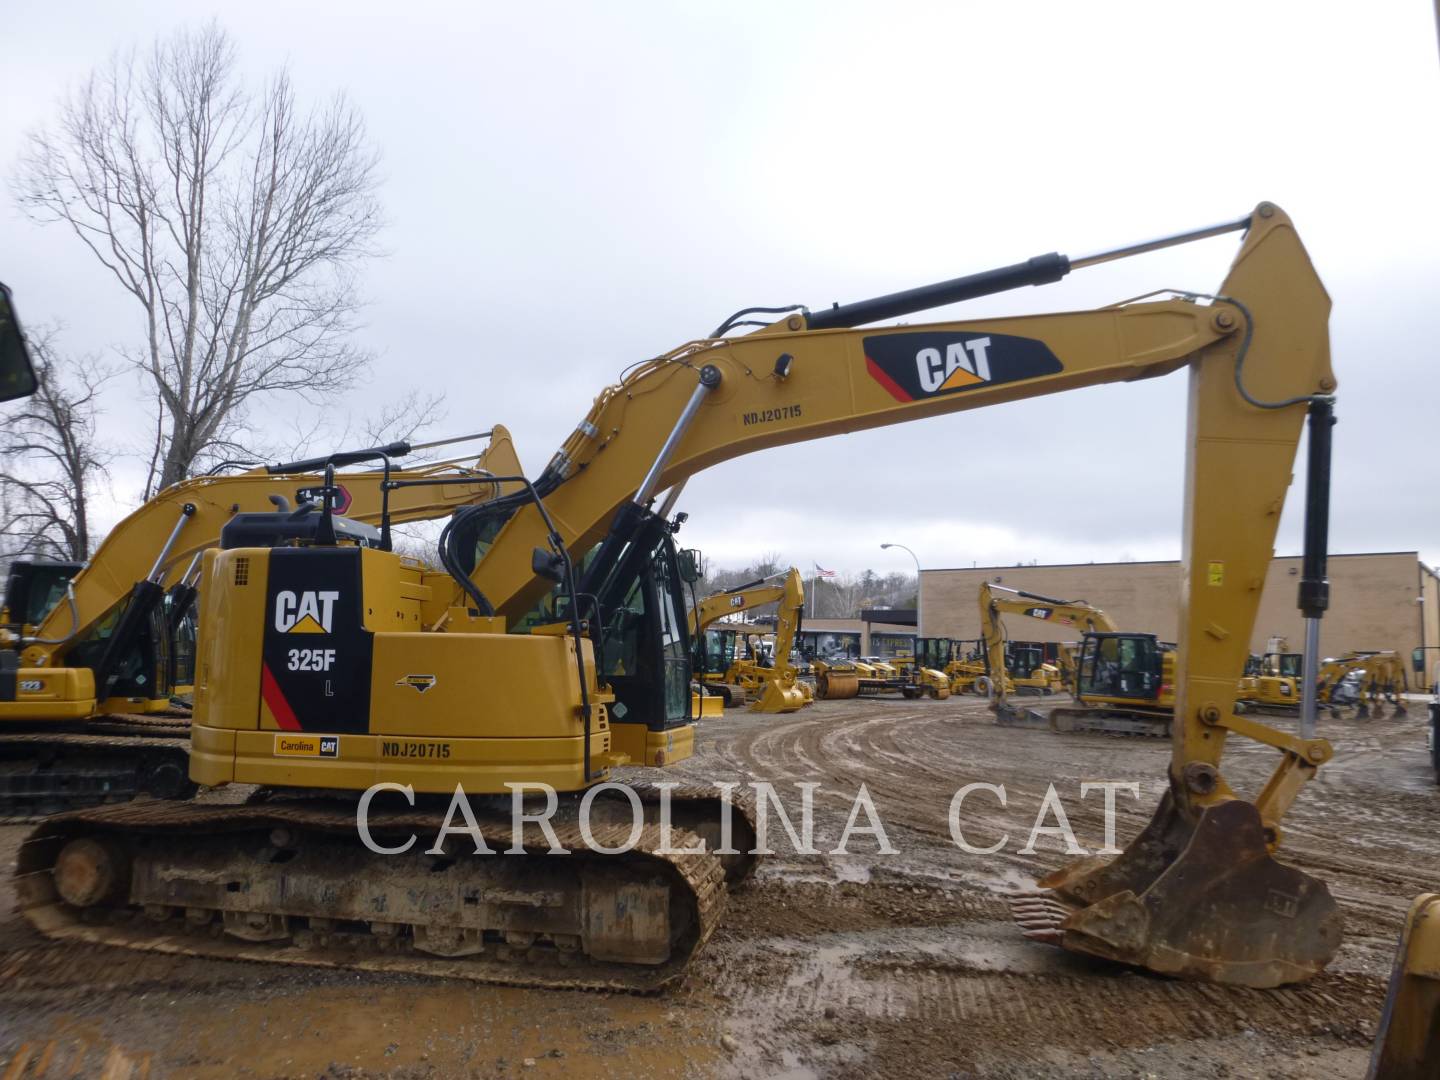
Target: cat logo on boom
(914, 365)
(311, 611)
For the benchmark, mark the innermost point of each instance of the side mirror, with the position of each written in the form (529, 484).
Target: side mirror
(548, 565)
(17, 373)
(688, 561)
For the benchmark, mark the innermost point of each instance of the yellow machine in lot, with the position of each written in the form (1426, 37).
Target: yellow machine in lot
(872, 676)
(1122, 682)
(1381, 678)
(774, 687)
(87, 716)
(553, 647)
(962, 662)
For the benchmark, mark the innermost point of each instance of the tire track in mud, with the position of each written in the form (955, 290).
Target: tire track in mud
(1375, 842)
(864, 983)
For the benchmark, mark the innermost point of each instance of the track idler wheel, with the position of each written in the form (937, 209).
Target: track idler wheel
(836, 686)
(1202, 900)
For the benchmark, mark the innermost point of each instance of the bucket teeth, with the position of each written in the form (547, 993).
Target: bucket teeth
(1200, 899)
(1039, 913)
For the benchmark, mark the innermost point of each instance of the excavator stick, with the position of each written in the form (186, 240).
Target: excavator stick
(1195, 900)
(1407, 1045)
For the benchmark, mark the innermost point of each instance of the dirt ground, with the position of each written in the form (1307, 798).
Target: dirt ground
(826, 965)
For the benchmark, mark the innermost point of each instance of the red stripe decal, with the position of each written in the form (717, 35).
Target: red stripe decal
(275, 698)
(884, 380)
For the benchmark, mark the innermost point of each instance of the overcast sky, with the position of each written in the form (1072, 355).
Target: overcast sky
(573, 187)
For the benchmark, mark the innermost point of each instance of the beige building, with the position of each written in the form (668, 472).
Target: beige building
(1378, 600)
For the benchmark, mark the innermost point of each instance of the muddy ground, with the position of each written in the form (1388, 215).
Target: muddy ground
(826, 965)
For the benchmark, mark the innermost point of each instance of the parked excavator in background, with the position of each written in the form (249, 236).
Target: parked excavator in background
(769, 687)
(1379, 677)
(554, 648)
(1122, 682)
(96, 650)
(1271, 682)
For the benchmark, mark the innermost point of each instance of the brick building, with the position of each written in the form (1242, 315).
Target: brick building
(1378, 600)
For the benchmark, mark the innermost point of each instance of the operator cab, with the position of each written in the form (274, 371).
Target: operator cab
(1121, 665)
(934, 652)
(1283, 665)
(642, 635)
(34, 587)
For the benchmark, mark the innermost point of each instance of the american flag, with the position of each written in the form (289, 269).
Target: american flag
(820, 571)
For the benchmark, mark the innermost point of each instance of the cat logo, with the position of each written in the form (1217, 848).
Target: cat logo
(914, 365)
(737, 601)
(1039, 612)
(421, 683)
(291, 745)
(309, 612)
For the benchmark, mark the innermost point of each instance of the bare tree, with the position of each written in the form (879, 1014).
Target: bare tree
(233, 218)
(51, 460)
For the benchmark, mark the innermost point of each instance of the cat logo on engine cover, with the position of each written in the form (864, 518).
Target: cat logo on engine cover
(421, 683)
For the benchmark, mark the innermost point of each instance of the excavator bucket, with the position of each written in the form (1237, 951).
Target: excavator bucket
(1202, 900)
(779, 698)
(1407, 1046)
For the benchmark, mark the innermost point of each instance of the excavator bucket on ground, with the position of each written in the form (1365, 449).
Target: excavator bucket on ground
(777, 697)
(1407, 1046)
(1202, 900)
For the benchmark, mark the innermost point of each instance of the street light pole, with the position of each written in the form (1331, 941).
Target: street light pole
(919, 608)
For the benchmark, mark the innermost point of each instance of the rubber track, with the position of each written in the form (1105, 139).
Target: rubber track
(121, 742)
(701, 876)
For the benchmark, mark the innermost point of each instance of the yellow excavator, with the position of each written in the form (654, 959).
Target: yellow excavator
(776, 687)
(88, 650)
(1272, 680)
(1122, 682)
(997, 601)
(1381, 675)
(348, 683)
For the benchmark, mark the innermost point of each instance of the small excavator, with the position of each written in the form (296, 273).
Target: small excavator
(774, 688)
(1123, 682)
(1009, 669)
(1271, 683)
(1381, 675)
(88, 716)
(551, 647)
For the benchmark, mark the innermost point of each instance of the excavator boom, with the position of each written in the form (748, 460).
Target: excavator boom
(436, 691)
(777, 685)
